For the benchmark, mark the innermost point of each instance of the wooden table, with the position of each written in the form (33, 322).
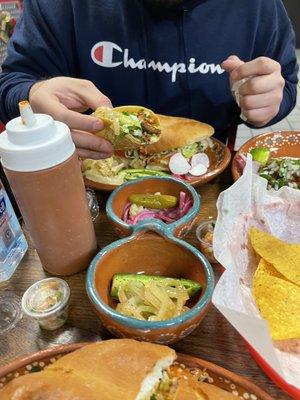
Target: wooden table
(215, 339)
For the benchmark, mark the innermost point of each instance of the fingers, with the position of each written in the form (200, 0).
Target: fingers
(261, 116)
(92, 96)
(63, 97)
(91, 146)
(252, 102)
(261, 84)
(231, 63)
(71, 118)
(259, 66)
(257, 86)
(94, 155)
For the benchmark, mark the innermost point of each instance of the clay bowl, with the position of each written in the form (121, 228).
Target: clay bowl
(219, 376)
(219, 157)
(118, 199)
(151, 252)
(281, 144)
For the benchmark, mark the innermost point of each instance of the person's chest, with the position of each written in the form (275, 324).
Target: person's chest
(171, 65)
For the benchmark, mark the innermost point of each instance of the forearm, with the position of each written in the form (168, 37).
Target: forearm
(14, 87)
(39, 49)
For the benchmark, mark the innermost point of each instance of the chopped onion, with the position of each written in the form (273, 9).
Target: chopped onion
(152, 301)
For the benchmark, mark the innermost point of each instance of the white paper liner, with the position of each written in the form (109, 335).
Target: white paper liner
(248, 203)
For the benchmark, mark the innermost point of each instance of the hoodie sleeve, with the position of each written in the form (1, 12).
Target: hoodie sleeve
(281, 48)
(41, 47)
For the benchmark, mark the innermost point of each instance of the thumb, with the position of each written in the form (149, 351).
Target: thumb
(231, 63)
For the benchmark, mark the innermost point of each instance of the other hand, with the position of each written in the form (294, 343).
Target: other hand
(65, 99)
(261, 94)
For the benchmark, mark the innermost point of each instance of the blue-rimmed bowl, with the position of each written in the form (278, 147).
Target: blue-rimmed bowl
(153, 251)
(165, 185)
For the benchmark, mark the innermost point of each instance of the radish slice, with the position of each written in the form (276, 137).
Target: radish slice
(198, 170)
(200, 158)
(179, 165)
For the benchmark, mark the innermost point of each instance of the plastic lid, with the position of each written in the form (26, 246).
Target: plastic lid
(10, 311)
(34, 142)
(45, 297)
(203, 228)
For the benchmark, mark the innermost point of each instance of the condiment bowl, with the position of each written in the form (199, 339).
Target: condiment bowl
(47, 301)
(280, 144)
(153, 251)
(165, 185)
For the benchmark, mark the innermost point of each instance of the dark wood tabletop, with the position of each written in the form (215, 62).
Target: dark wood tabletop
(214, 340)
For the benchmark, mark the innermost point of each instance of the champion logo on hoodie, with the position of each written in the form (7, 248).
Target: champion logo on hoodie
(110, 55)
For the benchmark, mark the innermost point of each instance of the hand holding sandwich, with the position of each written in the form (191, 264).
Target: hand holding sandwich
(261, 93)
(65, 99)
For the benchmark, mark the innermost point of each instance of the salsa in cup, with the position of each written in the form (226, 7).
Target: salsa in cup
(47, 301)
(205, 233)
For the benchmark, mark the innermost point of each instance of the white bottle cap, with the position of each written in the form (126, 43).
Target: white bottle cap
(33, 142)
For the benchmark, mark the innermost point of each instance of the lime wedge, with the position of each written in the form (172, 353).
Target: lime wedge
(260, 154)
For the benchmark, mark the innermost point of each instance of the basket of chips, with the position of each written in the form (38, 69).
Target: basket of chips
(257, 240)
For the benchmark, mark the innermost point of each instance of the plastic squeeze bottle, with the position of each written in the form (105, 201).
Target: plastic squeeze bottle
(41, 164)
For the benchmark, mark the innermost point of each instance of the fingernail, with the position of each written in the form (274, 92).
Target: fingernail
(107, 147)
(97, 125)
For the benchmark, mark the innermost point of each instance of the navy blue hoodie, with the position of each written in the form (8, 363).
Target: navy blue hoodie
(168, 61)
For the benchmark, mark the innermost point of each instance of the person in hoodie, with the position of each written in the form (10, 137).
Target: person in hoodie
(176, 57)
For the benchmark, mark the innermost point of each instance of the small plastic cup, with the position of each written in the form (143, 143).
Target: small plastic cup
(204, 233)
(47, 301)
(10, 311)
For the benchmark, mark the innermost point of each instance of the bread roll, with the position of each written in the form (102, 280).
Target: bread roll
(177, 132)
(117, 369)
(113, 369)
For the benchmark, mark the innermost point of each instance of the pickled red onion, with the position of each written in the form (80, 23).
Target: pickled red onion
(167, 215)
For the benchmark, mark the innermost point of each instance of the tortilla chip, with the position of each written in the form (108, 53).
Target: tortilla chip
(283, 256)
(268, 269)
(278, 301)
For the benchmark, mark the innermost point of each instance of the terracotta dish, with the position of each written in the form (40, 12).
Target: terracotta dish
(281, 144)
(219, 159)
(165, 185)
(152, 250)
(210, 372)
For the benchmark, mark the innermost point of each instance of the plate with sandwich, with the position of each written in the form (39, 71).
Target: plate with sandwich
(179, 147)
(121, 369)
